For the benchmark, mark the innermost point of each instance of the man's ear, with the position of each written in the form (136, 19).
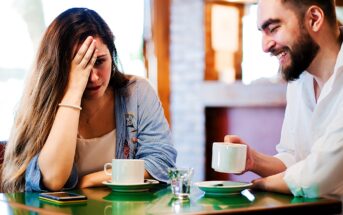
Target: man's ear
(315, 18)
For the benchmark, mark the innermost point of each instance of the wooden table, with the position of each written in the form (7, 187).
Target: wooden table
(159, 201)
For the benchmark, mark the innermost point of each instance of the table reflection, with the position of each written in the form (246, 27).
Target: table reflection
(102, 200)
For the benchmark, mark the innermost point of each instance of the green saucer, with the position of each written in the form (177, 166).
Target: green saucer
(222, 188)
(148, 183)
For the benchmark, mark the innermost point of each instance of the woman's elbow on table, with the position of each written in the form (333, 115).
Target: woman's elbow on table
(54, 182)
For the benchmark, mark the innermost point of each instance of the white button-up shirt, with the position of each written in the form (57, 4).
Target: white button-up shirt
(311, 144)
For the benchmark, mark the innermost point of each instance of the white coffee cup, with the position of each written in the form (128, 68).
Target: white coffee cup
(126, 171)
(229, 157)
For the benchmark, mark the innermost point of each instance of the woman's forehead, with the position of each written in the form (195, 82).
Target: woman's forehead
(100, 45)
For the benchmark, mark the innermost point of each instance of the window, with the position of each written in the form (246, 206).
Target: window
(233, 44)
(256, 65)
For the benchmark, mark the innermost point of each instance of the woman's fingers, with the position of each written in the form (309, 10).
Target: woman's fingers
(93, 59)
(83, 50)
(86, 60)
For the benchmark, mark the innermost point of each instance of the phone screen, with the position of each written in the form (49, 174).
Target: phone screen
(63, 196)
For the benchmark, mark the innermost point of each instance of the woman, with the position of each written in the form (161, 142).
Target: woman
(79, 112)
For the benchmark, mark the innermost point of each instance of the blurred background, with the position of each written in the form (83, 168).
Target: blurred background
(203, 57)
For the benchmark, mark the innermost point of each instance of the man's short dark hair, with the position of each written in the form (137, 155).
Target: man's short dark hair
(301, 6)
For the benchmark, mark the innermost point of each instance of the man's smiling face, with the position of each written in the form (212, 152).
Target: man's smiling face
(285, 36)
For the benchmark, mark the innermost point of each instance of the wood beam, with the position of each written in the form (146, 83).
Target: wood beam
(339, 2)
(161, 40)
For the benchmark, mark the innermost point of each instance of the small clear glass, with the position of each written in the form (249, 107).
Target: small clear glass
(180, 180)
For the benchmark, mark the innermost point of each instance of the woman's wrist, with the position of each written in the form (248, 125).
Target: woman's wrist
(70, 106)
(72, 99)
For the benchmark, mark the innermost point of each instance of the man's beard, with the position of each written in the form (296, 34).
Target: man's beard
(302, 54)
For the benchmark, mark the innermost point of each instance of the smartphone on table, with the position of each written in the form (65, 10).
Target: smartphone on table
(63, 198)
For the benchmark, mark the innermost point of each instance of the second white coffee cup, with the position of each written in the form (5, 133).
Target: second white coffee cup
(126, 171)
(229, 157)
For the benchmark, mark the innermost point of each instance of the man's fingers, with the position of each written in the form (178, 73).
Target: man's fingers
(232, 139)
(258, 184)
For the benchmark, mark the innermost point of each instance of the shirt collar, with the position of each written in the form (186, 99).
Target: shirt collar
(330, 83)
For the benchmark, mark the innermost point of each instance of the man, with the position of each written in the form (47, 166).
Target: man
(305, 37)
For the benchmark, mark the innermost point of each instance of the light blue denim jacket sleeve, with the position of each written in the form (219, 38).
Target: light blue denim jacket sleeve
(145, 121)
(139, 114)
(33, 177)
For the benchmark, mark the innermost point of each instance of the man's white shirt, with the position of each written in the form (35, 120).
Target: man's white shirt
(311, 144)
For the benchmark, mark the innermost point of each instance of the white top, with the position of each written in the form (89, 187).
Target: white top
(92, 154)
(311, 144)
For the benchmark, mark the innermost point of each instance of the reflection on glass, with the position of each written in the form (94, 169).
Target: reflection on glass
(178, 205)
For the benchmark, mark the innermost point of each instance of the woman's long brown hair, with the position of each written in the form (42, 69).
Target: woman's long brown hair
(45, 89)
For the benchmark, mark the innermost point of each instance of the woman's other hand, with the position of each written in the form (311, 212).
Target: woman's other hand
(94, 179)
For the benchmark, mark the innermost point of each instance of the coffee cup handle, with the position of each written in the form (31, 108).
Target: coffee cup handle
(106, 167)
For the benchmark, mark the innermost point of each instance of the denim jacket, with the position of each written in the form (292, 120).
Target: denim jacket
(139, 114)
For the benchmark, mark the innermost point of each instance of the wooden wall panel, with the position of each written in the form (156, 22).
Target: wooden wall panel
(161, 40)
(216, 126)
(246, 123)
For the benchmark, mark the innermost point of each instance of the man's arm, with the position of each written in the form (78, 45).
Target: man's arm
(274, 183)
(269, 167)
(266, 165)
(259, 163)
